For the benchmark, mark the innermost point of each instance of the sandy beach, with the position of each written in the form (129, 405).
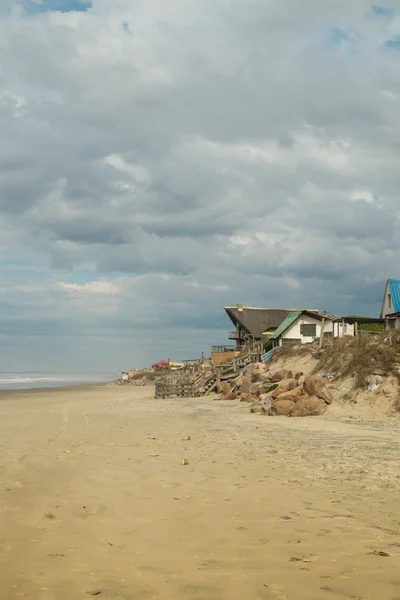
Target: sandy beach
(94, 501)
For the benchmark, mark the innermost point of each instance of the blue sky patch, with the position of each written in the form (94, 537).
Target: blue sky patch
(125, 27)
(394, 43)
(382, 11)
(339, 36)
(32, 8)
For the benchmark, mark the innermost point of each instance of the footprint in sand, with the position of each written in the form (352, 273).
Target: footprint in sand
(277, 592)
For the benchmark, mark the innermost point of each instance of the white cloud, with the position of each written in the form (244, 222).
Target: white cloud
(205, 153)
(93, 287)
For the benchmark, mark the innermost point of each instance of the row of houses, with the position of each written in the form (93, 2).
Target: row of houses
(281, 326)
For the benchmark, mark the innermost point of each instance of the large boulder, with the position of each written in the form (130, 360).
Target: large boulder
(245, 385)
(257, 388)
(316, 386)
(248, 398)
(284, 386)
(265, 377)
(224, 388)
(259, 368)
(266, 398)
(259, 407)
(278, 376)
(238, 381)
(308, 407)
(292, 395)
(282, 407)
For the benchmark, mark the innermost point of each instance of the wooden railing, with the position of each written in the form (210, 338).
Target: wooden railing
(189, 384)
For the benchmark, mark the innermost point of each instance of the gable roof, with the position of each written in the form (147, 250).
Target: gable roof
(256, 320)
(291, 318)
(393, 286)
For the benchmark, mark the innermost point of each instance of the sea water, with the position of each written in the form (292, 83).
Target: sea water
(25, 381)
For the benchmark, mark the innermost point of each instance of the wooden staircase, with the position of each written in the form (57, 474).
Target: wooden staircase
(191, 385)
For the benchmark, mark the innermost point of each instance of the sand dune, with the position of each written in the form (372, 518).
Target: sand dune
(94, 501)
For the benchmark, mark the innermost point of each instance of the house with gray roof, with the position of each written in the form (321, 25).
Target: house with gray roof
(255, 324)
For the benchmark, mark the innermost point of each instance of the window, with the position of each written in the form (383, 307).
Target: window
(308, 330)
(390, 300)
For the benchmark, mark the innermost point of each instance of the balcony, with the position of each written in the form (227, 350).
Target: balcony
(233, 335)
(220, 349)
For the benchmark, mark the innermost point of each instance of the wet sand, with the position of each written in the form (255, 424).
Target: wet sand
(94, 501)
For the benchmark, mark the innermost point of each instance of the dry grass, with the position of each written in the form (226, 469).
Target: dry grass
(151, 375)
(358, 357)
(294, 349)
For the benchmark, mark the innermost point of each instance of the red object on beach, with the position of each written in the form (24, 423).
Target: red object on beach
(163, 364)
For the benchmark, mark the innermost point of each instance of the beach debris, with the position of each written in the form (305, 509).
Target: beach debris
(184, 461)
(95, 593)
(305, 558)
(379, 553)
(186, 439)
(374, 382)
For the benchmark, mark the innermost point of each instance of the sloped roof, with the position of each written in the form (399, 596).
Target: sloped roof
(290, 319)
(394, 285)
(257, 320)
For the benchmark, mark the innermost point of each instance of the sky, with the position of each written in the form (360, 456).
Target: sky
(159, 160)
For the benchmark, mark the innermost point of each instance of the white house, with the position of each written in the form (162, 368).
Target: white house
(301, 326)
(391, 304)
(304, 326)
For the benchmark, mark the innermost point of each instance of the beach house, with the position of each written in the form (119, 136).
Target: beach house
(301, 326)
(255, 324)
(391, 304)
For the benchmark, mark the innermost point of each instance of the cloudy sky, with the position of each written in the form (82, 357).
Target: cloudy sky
(161, 159)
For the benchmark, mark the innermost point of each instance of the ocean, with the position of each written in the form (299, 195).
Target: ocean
(26, 381)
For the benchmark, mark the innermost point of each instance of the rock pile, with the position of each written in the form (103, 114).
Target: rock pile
(138, 381)
(278, 392)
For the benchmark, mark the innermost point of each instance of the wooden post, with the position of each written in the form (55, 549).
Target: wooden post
(218, 380)
(356, 329)
(321, 337)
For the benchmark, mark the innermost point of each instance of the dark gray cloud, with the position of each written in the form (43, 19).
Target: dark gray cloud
(159, 160)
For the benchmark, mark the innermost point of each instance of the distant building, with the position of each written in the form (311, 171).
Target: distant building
(162, 364)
